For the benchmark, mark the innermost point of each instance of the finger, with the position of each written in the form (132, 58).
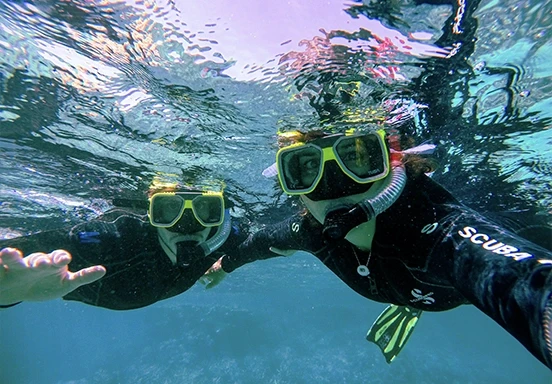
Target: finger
(85, 276)
(11, 257)
(203, 280)
(38, 259)
(60, 257)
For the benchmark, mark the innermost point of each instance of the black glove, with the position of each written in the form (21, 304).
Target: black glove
(339, 222)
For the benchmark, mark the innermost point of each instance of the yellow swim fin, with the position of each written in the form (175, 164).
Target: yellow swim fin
(392, 329)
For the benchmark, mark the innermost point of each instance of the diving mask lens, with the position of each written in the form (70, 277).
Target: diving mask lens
(300, 168)
(167, 208)
(208, 209)
(363, 158)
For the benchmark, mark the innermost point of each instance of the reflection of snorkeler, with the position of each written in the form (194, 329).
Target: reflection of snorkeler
(135, 261)
(395, 236)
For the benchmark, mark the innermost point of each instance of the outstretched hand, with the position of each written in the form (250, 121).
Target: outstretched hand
(214, 275)
(40, 276)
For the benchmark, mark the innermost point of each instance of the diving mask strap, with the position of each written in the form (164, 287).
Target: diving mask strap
(271, 171)
(422, 149)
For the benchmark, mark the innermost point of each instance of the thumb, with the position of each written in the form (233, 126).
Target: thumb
(216, 279)
(213, 283)
(86, 276)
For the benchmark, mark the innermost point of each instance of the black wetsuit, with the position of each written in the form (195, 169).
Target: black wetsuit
(139, 272)
(433, 253)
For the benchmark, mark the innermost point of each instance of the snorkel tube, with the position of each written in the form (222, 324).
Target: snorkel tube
(394, 185)
(220, 237)
(339, 222)
(391, 191)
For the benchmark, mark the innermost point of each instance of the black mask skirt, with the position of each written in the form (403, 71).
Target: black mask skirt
(187, 224)
(334, 184)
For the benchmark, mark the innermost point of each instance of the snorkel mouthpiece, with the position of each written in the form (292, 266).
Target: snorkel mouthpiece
(188, 251)
(339, 222)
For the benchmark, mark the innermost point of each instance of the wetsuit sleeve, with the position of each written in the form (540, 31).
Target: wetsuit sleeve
(46, 241)
(299, 232)
(124, 244)
(505, 276)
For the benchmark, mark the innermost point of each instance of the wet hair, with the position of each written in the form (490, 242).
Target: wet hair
(416, 165)
(292, 137)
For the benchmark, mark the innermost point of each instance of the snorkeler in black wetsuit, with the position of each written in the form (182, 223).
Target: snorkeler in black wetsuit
(147, 260)
(408, 241)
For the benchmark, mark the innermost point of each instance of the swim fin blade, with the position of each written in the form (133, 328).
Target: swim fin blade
(392, 329)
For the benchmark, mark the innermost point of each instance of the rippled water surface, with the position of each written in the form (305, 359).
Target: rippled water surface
(99, 97)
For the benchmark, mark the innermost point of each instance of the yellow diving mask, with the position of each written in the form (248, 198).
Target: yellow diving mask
(364, 157)
(167, 208)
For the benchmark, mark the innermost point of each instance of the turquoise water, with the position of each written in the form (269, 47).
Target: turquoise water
(98, 97)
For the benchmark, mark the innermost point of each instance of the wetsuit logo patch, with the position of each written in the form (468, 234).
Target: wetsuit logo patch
(419, 296)
(490, 244)
(429, 228)
(89, 237)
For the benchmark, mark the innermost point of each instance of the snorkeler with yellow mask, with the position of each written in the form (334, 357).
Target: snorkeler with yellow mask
(394, 235)
(129, 257)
